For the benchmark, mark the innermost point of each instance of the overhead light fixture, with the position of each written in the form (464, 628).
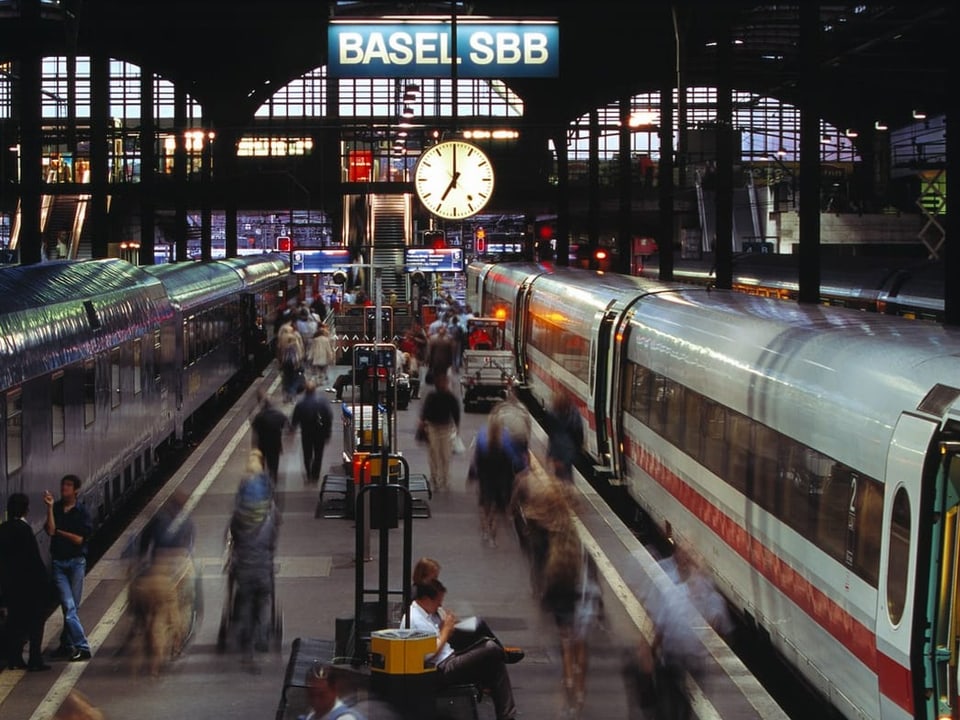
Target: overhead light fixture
(781, 152)
(407, 111)
(880, 125)
(826, 139)
(851, 133)
(919, 115)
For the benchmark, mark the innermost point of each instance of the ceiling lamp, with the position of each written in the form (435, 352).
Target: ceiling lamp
(880, 125)
(407, 111)
(919, 115)
(851, 133)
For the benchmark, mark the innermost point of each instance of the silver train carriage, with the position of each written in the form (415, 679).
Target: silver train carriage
(910, 289)
(807, 454)
(102, 362)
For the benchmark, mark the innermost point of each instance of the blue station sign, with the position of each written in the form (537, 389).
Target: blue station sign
(486, 48)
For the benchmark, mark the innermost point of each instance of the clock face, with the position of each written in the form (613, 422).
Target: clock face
(454, 179)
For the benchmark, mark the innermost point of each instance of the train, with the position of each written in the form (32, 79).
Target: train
(104, 365)
(808, 455)
(909, 288)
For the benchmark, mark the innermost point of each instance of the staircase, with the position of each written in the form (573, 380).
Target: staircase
(390, 235)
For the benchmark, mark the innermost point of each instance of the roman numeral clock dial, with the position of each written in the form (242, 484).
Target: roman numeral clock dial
(453, 179)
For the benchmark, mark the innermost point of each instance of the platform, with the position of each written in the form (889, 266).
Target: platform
(315, 586)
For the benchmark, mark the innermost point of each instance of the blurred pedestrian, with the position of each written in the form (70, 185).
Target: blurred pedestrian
(25, 585)
(639, 679)
(322, 356)
(679, 621)
(314, 416)
(77, 706)
(565, 435)
(164, 593)
(497, 459)
(69, 526)
(254, 531)
(267, 426)
(439, 358)
(324, 683)
(440, 420)
(290, 352)
(564, 585)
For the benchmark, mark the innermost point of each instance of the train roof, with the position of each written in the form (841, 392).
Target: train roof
(57, 313)
(254, 269)
(190, 284)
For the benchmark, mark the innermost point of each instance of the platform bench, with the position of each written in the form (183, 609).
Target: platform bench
(341, 490)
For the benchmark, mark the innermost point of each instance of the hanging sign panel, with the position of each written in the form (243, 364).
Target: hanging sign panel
(433, 259)
(423, 48)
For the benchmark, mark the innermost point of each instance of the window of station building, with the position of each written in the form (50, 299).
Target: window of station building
(57, 409)
(66, 154)
(769, 132)
(14, 431)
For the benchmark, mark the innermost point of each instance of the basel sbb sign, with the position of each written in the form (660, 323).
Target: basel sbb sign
(422, 49)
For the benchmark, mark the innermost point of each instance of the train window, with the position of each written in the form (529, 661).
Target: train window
(57, 409)
(115, 393)
(89, 392)
(899, 556)
(137, 365)
(714, 444)
(692, 424)
(157, 355)
(766, 481)
(675, 412)
(739, 434)
(869, 521)
(659, 393)
(14, 431)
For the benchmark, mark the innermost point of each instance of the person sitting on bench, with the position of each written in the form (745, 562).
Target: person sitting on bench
(482, 663)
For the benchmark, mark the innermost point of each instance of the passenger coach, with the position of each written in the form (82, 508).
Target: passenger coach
(808, 454)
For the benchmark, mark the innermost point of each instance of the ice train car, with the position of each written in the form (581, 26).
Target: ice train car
(103, 363)
(810, 456)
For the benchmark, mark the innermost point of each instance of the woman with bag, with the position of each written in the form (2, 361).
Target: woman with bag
(440, 421)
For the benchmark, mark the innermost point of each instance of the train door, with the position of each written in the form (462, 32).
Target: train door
(918, 578)
(940, 655)
(601, 391)
(521, 307)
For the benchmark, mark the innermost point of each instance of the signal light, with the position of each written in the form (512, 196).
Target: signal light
(600, 254)
(434, 239)
(480, 240)
(546, 231)
(284, 244)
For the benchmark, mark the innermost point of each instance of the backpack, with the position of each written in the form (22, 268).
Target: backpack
(290, 361)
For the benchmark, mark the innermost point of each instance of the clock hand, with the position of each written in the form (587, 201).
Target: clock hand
(451, 186)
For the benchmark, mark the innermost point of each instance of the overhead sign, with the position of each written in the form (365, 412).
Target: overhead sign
(434, 260)
(321, 261)
(486, 48)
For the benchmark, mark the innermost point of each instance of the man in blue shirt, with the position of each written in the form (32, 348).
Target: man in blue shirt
(69, 526)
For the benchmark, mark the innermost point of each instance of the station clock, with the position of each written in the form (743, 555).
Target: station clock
(454, 179)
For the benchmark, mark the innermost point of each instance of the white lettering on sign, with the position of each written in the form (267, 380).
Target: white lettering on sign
(509, 48)
(482, 49)
(397, 48)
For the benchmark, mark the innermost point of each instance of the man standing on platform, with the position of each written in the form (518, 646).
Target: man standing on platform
(23, 577)
(69, 526)
(268, 425)
(313, 414)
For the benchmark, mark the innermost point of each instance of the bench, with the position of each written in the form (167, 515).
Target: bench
(337, 493)
(338, 506)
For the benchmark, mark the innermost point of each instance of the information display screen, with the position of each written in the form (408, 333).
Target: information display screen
(434, 259)
(320, 261)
